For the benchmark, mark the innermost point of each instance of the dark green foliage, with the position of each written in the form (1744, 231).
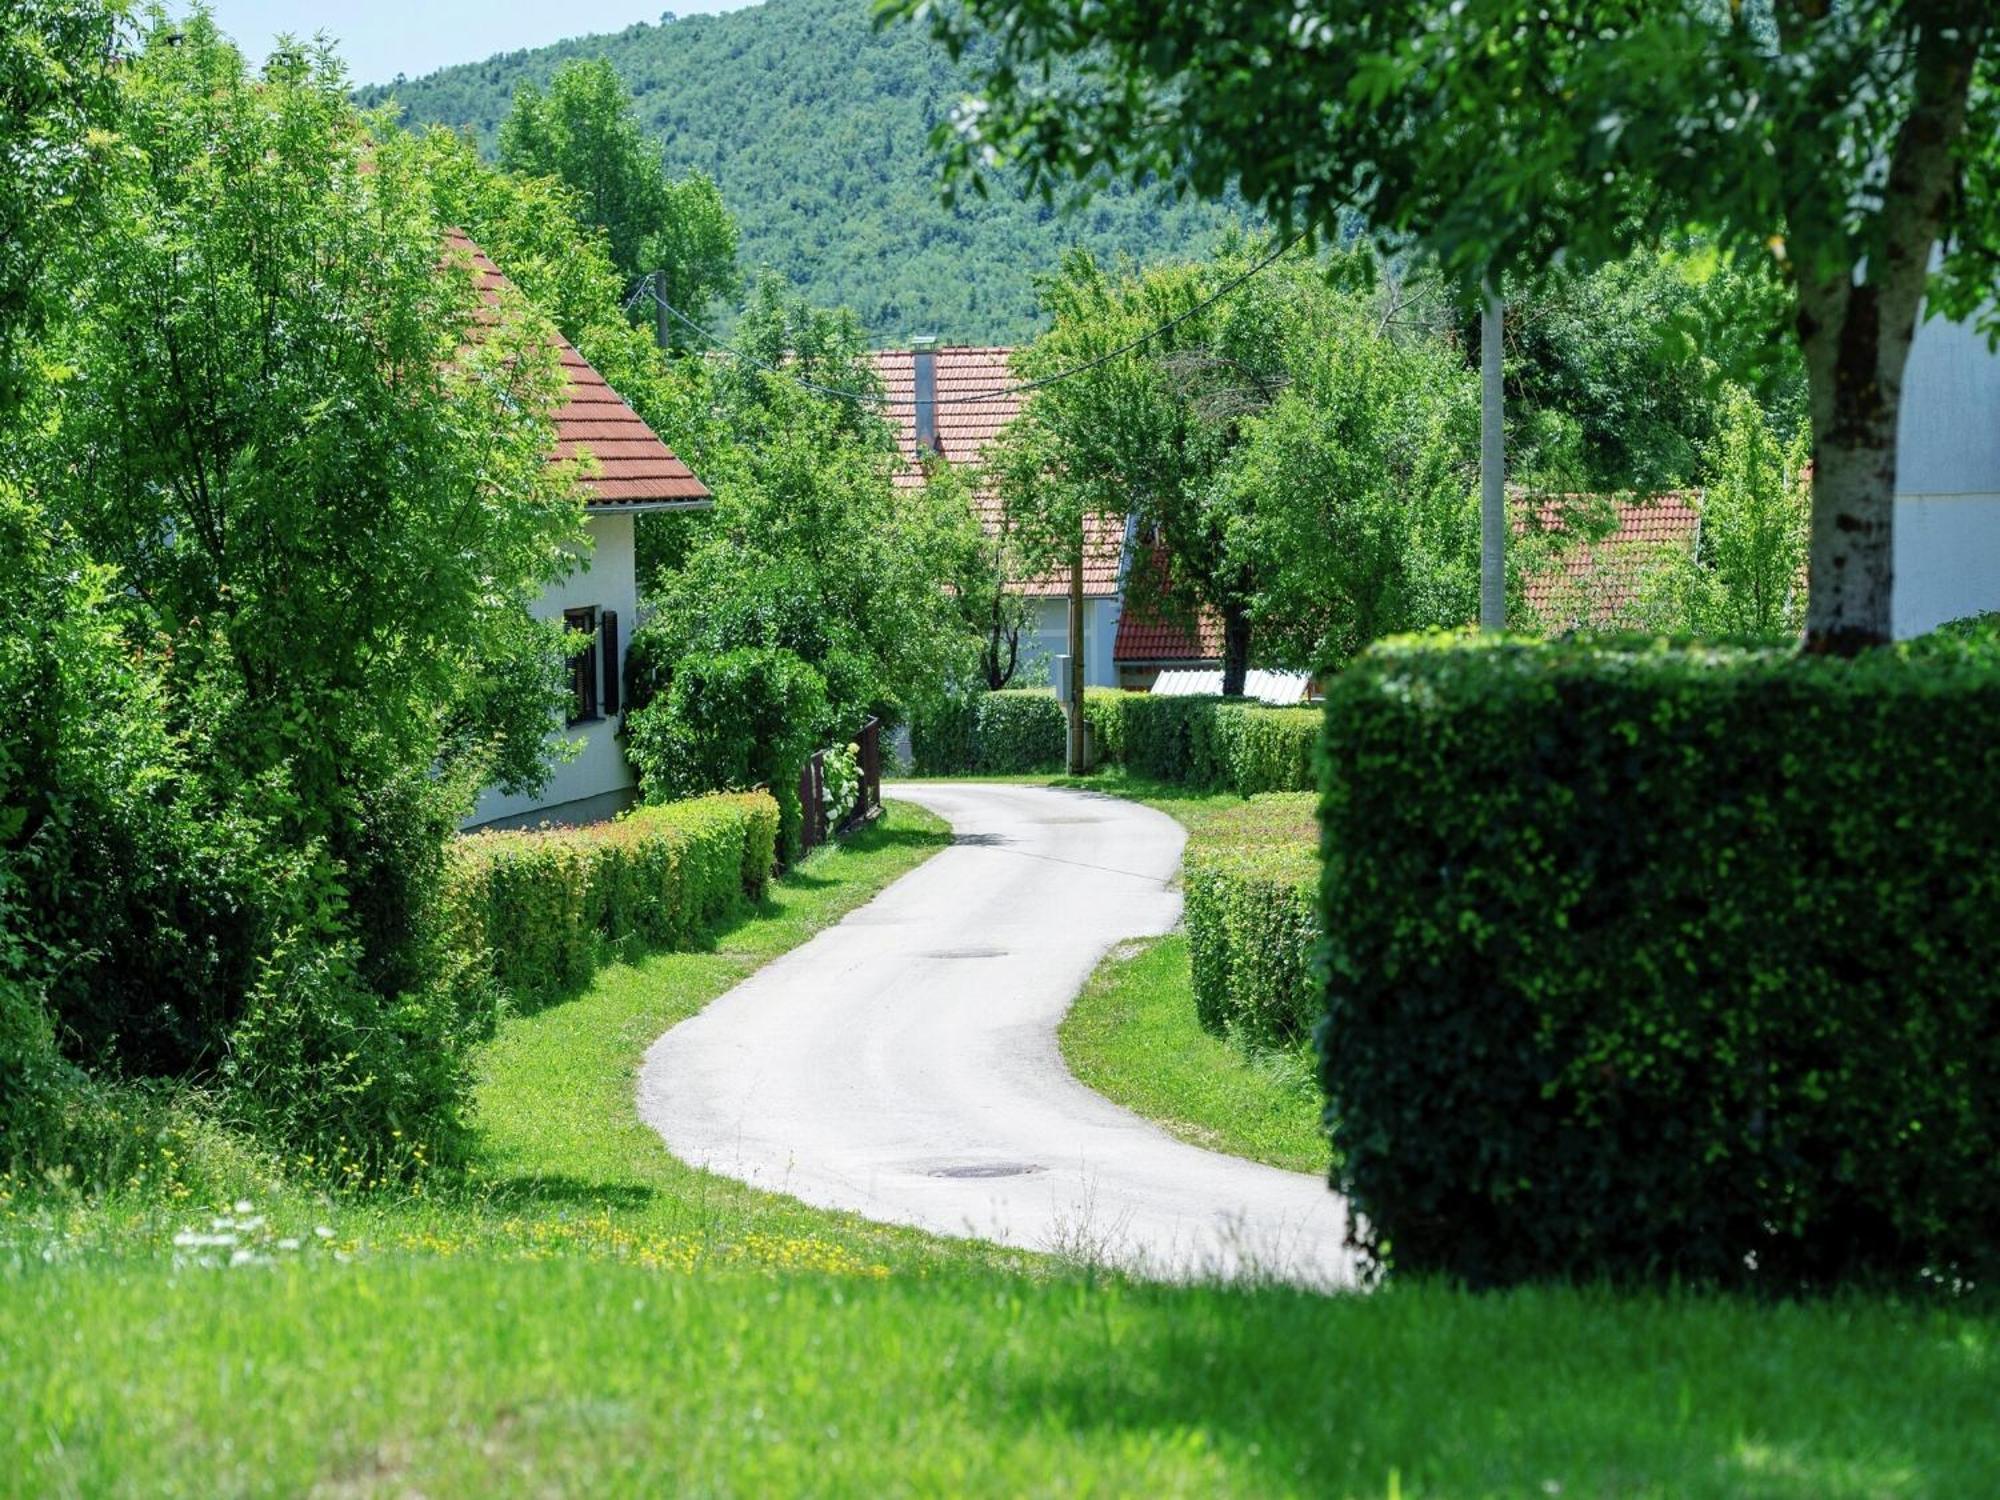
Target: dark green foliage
(582, 133)
(944, 737)
(1253, 921)
(732, 722)
(1652, 962)
(817, 125)
(1210, 744)
(286, 521)
(1170, 738)
(1974, 635)
(542, 908)
(1020, 729)
(1274, 750)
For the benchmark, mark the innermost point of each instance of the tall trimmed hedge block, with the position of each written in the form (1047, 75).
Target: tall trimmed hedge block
(1211, 744)
(1275, 749)
(1020, 729)
(543, 904)
(1654, 963)
(1253, 925)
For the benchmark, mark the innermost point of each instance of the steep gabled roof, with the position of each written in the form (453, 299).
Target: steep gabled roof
(634, 470)
(964, 428)
(1148, 637)
(1593, 582)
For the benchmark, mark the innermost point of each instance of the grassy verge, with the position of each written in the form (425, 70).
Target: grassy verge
(593, 1318)
(1132, 1036)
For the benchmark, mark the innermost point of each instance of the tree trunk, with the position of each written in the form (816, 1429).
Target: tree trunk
(1235, 649)
(1856, 336)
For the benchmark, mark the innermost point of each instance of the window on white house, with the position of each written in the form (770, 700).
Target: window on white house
(583, 670)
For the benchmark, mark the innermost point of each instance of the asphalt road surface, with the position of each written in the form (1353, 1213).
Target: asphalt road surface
(903, 1064)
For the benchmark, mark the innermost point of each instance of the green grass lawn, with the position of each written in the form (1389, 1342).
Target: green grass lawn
(592, 1318)
(1132, 1036)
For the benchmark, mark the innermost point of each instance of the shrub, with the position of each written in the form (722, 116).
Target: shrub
(944, 736)
(1652, 962)
(1968, 636)
(1104, 712)
(1252, 918)
(1019, 730)
(542, 905)
(1160, 737)
(1204, 743)
(840, 767)
(732, 722)
(1273, 750)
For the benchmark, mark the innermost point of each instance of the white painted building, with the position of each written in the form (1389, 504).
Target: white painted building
(1947, 480)
(629, 472)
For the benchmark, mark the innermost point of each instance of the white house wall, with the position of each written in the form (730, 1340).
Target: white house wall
(1948, 480)
(598, 781)
(1047, 634)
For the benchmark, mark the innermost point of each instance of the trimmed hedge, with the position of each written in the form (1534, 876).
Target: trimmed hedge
(544, 904)
(1206, 743)
(944, 737)
(1653, 963)
(1019, 729)
(1276, 750)
(1252, 915)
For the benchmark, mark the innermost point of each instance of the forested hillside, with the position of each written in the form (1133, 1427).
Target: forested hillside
(816, 126)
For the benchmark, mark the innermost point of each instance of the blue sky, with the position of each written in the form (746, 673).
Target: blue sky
(381, 38)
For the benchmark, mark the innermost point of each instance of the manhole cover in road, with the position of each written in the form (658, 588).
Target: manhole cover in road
(988, 1169)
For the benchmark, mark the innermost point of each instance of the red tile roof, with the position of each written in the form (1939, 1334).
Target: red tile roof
(1145, 637)
(964, 428)
(1149, 635)
(632, 466)
(1596, 582)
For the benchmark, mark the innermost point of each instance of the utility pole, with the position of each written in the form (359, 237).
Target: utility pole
(1076, 765)
(1492, 472)
(662, 329)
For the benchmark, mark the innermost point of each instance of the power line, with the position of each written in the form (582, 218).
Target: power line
(1003, 393)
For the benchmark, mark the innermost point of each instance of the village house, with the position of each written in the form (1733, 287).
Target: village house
(945, 403)
(629, 473)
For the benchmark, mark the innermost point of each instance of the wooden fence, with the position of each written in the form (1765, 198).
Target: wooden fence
(812, 789)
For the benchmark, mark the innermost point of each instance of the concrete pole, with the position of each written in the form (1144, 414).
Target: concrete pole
(663, 331)
(1076, 765)
(1492, 474)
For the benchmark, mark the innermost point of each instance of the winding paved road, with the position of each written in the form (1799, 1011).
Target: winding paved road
(903, 1063)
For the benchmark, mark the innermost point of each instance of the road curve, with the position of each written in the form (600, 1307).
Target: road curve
(903, 1064)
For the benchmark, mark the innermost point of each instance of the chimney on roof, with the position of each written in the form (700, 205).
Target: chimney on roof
(923, 362)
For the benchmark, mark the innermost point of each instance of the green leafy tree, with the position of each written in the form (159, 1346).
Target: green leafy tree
(812, 548)
(1350, 500)
(1145, 431)
(583, 133)
(1746, 575)
(318, 465)
(817, 124)
(55, 107)
(1852, 143)
(1617, 377)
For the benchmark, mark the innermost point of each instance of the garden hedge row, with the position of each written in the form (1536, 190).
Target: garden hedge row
(1654, 963)
(1252, 917)
(545, 903)
(1207, 743)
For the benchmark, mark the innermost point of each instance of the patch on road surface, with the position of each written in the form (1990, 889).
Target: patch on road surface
(989, 1169)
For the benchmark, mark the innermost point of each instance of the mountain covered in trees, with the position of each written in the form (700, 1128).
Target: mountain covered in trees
(816, 126)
